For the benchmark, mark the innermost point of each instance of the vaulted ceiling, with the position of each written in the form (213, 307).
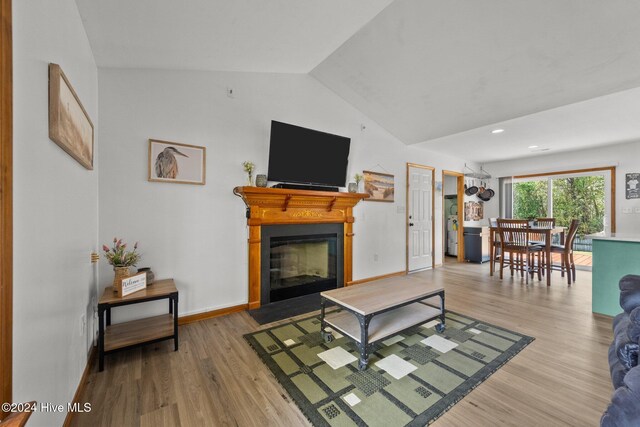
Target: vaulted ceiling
(279, 36)
(559, 74)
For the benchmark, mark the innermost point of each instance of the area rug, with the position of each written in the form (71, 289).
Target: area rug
(412, 378)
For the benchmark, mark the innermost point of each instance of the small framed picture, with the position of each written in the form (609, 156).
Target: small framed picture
(473, 211)
(177, 163)
(632, 188)
(69, 124)
(379, 186)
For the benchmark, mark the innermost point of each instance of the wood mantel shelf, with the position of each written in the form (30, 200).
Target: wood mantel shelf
(283, 206)
(269, 206)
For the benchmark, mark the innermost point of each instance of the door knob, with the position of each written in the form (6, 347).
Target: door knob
(410, 224)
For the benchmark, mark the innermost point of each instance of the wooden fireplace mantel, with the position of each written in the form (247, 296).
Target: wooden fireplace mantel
(268, 206)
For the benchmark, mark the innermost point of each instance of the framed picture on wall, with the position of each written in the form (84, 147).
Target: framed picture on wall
(473, 211)
(379, 186)
(69, 124)
(176, 163)
(632, 190)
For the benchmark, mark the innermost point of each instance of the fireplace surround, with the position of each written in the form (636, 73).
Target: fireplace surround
(278, 206)
(300, 259)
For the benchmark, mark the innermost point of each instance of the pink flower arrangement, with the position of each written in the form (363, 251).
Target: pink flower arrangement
(118, 256)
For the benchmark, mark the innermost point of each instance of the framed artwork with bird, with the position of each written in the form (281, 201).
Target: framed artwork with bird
(177, 163)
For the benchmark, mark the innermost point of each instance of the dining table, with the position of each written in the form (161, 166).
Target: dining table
(547, 232)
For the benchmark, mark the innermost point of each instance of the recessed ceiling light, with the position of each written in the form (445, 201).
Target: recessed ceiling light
(497, 131)
(532, 146)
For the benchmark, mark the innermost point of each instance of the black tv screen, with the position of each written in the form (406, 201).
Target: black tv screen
(307, 156)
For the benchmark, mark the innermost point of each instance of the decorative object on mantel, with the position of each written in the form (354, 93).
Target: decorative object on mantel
(632, 186)
(379, 186)
(121, 259)
(176, 163)
(69, 124)
(261, 180)
(248, 168)
(150, 274)
(354, 186)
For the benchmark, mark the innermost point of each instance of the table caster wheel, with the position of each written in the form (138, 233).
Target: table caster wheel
(362, 366)
(327, 337)
(440, 327)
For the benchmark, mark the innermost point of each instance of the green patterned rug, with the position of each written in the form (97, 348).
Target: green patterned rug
(412, 378)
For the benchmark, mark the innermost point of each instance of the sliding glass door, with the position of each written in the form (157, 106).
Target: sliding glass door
(584, 196)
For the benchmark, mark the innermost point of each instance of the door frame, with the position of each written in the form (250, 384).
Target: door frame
(6, 203)
(433, 222)
(460, 192)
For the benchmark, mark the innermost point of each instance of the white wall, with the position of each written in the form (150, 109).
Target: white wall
(55, 211)
(197, 234)
(626, 158)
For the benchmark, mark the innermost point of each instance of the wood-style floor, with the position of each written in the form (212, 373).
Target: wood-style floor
(215, 378)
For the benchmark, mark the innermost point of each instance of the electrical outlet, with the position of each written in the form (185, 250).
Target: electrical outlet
(400, 209)
(375, 257)
(637, 210)
(626, 210)
(230, 93)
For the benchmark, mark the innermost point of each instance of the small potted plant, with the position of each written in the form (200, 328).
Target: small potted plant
(353, 186)
(248, 168)
(357, 177)
(121, 259)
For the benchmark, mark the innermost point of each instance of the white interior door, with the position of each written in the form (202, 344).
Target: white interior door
(420, 218)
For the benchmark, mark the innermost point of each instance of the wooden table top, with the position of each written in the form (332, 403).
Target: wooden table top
(536, 229)
(370, 298)
(156, 289)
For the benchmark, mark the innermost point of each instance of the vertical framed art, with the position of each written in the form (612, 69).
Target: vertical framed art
(69, 124)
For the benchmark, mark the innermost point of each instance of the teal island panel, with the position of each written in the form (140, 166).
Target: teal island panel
(611, 261)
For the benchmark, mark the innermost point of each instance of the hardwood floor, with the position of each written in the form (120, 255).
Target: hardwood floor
(562, 378)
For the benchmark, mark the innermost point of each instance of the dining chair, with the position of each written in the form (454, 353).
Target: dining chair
(566, 262)
(514, 240)
(497, 254)
(539, 238)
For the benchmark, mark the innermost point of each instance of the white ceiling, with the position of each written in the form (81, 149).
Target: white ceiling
(605, 120)
(287, 36)
(424, 69)
(560, 74)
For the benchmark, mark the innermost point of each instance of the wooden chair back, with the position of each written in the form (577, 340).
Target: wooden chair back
(513, 232)
(546, 222)
(571, 235)
(542, 222)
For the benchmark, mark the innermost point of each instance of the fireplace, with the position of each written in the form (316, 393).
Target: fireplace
(272, 208)
(300, 259)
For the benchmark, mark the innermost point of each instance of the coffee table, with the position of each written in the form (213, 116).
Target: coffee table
(375, 311)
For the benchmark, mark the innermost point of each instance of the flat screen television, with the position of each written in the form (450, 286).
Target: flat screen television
(307, 156)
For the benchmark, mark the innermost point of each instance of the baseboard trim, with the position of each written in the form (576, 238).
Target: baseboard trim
(211, 314)
(81, 385)
(602, 316)
(371, 279)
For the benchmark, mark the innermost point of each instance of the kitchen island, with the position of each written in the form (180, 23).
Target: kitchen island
(614, 256)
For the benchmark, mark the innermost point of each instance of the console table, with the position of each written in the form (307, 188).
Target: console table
(121, 336)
